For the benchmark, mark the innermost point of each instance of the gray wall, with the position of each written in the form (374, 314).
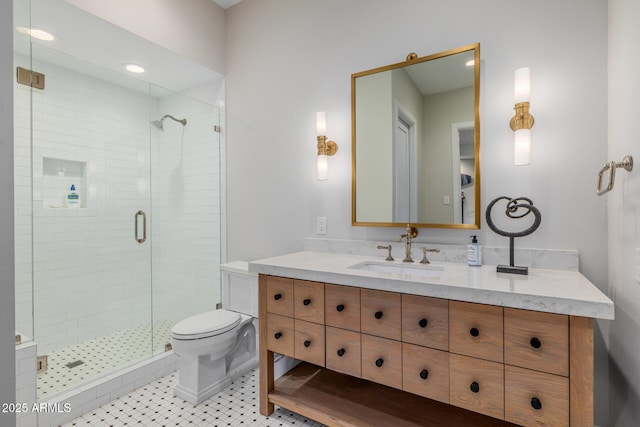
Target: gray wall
(7, 303)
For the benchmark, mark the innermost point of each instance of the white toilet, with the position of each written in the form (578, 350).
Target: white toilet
(215, 347)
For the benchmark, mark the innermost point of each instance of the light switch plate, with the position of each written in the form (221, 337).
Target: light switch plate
(446, 200)
(321, 225)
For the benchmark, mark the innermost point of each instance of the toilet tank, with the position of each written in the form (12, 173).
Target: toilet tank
(239, 288)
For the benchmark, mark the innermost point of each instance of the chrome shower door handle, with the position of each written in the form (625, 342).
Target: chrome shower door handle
(144, 226)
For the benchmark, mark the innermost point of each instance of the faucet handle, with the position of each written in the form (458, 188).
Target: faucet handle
(424, 259)
(389, 257)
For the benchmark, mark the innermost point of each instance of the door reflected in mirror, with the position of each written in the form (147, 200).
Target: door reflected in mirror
(416, 141)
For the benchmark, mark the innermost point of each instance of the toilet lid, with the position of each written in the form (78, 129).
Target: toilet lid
(205, 325)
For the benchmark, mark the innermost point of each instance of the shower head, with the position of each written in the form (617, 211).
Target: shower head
(159, 123)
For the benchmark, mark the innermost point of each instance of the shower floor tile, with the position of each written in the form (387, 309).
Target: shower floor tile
(155, 405)
(101, 356)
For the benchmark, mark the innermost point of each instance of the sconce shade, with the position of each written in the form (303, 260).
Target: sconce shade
(522, 122)
(321, 123)
(522, 85)
(323, 167)
(522, 147)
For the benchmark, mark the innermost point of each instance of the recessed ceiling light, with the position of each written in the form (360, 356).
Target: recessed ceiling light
(470, 63)
(37, 33)
(133, 68)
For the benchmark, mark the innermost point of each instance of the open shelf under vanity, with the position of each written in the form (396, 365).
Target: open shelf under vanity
(337, 399)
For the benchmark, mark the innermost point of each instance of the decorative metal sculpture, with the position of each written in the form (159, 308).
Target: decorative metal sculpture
(512, 212)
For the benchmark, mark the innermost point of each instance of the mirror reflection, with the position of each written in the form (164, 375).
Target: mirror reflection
(416, 142)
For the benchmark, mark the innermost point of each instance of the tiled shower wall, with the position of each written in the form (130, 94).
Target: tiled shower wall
(90, 276)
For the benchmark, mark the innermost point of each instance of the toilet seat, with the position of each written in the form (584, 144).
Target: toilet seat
(205, 325)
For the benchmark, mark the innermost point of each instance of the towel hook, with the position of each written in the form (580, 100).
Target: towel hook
(626, 164)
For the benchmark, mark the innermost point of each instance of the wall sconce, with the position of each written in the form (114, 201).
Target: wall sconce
(325, 148)
(522, 122)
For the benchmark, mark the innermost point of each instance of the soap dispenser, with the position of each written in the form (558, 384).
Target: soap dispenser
(73, 198)
(474, 252)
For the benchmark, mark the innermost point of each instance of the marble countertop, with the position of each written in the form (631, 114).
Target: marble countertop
(553, 291)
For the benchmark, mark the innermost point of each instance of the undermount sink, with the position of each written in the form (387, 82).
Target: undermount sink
(418, 270)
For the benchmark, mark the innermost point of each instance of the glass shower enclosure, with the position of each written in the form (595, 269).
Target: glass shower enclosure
(117, 205)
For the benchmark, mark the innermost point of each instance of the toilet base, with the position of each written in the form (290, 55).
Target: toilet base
(200, 376)
(195, 398)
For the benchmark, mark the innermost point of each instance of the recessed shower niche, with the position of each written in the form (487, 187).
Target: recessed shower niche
(58, 175)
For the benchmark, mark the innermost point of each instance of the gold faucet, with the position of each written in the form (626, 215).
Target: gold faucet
(411, 232)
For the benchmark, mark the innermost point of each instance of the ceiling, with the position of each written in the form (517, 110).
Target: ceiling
(225, 4)
(90, 45)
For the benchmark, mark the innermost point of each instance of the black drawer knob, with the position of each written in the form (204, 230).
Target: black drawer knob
(378, 315)
(307, 343)
(379, 362)
(277, 297)
(306, 301)
(340, 307)
(536, 404)
(424, 374)
(341, 352)
(535, 342)
(423, 323)
(475, 387)
(474, 332)
(278, 335)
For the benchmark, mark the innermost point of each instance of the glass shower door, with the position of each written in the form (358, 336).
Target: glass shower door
(186, 211)
(91, 185)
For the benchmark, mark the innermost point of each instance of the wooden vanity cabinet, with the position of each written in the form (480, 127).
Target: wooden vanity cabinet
(279, 295)
(535, 398)
(343, 351)
(308, 302)
(309, 342)
(519, 367)
(476, 330)
(295, 318)
(536, 340)
(425, 372)
(280, 334)
(477, 385)
(425, 321)
(342, 307)
(381, 313)
(382, 361)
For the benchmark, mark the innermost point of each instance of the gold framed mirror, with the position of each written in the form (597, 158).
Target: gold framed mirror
(416, 142)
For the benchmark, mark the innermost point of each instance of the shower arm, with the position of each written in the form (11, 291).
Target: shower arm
(159, 123)
(183, 121)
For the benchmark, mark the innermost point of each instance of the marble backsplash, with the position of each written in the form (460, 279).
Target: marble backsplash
(554, 259)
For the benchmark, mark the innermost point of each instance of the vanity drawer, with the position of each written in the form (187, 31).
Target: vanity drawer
(342, 307)
(535, 399)
(381, 314)
(425, 321)
(476, 330)
(280, 334)
(477, 385)
(425, 372)
(537, 340)
(309, 342)
(382, 361)
(280, 295)
(309, 301)
(343, 351)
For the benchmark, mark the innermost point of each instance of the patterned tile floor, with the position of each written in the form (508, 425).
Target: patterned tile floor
(154, 405)
(101, 356)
